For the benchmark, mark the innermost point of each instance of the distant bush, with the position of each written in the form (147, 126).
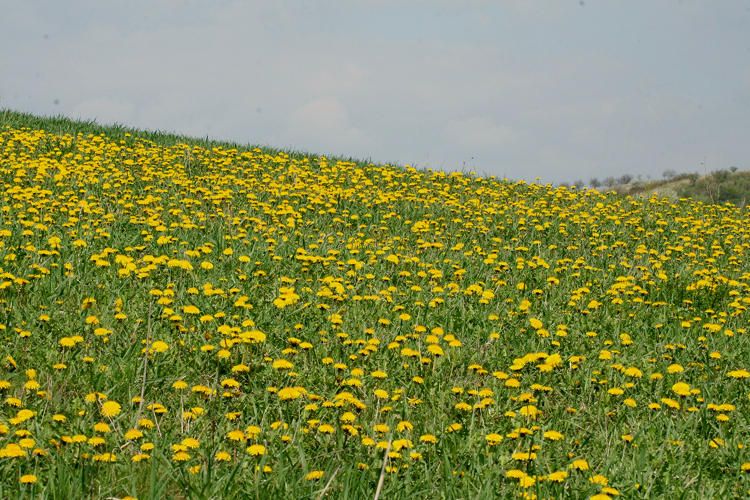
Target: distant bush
(692, 177)
(721, 186)
(720, 175)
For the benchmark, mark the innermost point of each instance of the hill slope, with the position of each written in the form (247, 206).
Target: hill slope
(718, 187)
(220, 321)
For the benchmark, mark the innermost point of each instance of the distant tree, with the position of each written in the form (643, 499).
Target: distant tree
(565, 184)
(610, 181)
(733, 169)
(693, 178)
(578, 183)
(669, 174)
(594, 182)
(625, 179)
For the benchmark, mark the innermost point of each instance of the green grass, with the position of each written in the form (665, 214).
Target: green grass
(62, 125)
(527, 333)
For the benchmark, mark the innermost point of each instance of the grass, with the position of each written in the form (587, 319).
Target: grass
(190, 319)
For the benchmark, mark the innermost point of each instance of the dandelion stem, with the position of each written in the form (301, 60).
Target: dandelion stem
(329, 484)
(145, 366)
(382, 470)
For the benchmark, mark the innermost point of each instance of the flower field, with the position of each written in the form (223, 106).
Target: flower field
(213, 322)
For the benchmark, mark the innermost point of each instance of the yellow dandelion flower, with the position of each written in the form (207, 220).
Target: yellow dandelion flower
(110, 409)
(580, 464)
(256, 450)
(316, 474)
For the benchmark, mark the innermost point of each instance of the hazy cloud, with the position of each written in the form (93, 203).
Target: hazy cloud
(480, 132)
(105, 110)
(541, 88)
(324, 123)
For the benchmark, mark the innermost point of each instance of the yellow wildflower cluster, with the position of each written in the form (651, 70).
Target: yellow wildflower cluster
(239, 308)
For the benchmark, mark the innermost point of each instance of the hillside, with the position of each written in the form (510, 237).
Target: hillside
(719, 187)
(190, 319)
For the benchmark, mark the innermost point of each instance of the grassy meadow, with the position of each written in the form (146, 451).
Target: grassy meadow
(198, 320)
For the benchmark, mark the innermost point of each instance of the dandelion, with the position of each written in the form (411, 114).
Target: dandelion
(282, 364)
(288, 393)
(580, 464)
(553, 435)
(428, 438)
(599, 479)
(160, 346)
(316, 474)
(558, 477)
(493, 439)
(190, 443)
(380, 393)
(404, 426)
(110, 409)
(671, 403)
(530, 411)
(256, 450)
(526, 481)
(717, 443)
(133, 434)
(633, 372)
(102, 427)
(681, 389)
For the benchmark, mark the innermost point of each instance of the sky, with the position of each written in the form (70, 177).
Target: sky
(556, 89)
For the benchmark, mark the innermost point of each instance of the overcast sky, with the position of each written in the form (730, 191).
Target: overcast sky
(558, 89)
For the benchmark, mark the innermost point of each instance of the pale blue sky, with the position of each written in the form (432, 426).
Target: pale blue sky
(558, 89)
